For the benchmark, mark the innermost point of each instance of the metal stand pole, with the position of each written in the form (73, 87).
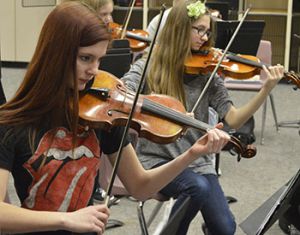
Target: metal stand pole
(294, 123)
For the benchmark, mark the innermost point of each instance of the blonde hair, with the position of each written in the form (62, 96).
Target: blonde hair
(174, 46)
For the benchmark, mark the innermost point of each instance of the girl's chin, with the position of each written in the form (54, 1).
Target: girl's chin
(196, 48)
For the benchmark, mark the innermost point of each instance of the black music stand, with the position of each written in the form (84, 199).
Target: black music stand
(118, 58)
(247, 39)
(285, 200)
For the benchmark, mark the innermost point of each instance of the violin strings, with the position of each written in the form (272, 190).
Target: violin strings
(161, 110)
(288, 75)
(246, 61)
(174, 115)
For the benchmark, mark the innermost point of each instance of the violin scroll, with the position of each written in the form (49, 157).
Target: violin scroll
(294, 78)
(236, 147)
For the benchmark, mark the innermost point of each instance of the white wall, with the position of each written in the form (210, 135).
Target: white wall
(20, 25)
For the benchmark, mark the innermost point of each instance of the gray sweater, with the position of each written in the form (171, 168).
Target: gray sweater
(151, 154)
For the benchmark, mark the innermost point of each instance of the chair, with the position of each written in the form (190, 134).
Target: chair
(294, 123)
(168, 225)
(105, 172)
(264, 53)
(145, 223)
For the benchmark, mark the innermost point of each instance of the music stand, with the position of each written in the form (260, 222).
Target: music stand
(271, 210)
(247, 39)
(117, 60)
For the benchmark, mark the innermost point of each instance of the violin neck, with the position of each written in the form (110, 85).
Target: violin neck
(138, 37)
(246, 61)
(242, 60)
(173, 115)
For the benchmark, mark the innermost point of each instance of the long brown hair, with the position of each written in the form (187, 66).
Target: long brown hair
(49, 91)
(173, 47)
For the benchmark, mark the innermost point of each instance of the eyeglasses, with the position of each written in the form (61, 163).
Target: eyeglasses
(201, 32)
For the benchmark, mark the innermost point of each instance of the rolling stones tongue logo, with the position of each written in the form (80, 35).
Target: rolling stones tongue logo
(66, 179)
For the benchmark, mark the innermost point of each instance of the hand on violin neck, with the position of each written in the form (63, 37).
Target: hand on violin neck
(217, 139)
(274, 75)
(212, 142)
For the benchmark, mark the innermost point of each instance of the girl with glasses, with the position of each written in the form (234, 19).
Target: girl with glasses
(188, 29)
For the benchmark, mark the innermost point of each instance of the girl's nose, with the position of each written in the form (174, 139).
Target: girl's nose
(93, 70)
(204, 37)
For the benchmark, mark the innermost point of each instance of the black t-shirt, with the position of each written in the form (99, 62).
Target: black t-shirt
(56, 177)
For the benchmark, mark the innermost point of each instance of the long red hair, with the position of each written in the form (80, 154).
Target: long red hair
(45, 95)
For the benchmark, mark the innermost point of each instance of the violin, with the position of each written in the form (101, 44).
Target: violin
(159, 118)
(138, 38)
(234, 66)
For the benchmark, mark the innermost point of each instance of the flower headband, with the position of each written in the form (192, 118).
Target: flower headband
(196, 9)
